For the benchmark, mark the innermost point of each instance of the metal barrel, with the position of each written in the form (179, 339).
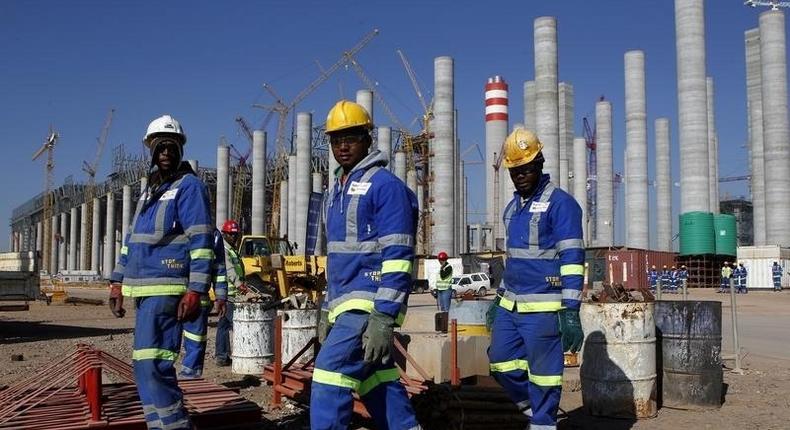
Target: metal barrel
(299, 326)
(618, 370)
(471, 316)
(253, 338)
(689, 334)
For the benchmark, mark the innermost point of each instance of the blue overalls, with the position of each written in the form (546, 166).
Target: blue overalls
(543, 274)
(652, 278)
(168, 251)
(776, 275)
(371, 222)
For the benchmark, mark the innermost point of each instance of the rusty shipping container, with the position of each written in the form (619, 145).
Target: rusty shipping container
(629, 267)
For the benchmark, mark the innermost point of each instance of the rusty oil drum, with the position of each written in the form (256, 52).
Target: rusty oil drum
(689, 354)
(618, 370)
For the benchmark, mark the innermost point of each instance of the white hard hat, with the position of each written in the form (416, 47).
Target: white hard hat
(164, 124)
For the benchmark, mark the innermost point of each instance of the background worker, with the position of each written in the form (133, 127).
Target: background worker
(652, 278)
(536, 314)
(726, 275)
(166, 267)
(234, 276)
(776, 275)
(444, 283)
(371, 219)
(684, 277)
(741, 279)
(665, 279)
(675, 280)
(196, 331)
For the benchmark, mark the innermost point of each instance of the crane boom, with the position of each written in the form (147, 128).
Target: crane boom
(101, 142)
(413, 79)
(364, 77)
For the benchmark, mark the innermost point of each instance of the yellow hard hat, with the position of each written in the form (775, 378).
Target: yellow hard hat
(521, 147)
(347, 114)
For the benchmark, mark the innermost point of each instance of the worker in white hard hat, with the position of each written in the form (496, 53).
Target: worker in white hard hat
(371, 222)
(536, 311)
(166, 267)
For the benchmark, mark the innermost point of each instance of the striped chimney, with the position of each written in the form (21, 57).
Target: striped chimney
(497, 189)
(496, 99)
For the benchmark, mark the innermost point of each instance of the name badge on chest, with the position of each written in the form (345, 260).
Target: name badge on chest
(169, 194)
(358, 188)
(539, 207)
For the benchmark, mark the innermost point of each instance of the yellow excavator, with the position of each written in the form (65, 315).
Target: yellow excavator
(270, 267)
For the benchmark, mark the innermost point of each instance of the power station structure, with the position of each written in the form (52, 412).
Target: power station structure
(272, 188)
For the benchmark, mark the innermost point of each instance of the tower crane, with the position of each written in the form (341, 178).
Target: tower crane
(283, 109)
(90, 189)
(774, 4)
(49, 147)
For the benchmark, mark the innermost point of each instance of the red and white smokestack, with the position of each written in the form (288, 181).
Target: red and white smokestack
(496, 99)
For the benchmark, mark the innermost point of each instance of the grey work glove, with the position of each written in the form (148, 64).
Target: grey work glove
(377, 339)
(571, 330)
(323, 325)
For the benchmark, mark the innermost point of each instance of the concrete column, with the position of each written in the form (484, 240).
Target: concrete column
(565, 94)
(318, 187)
(109, 237)
(754, 104)
(462, 246)
(580, 181)
(233, 176)
(365, 99)
(53, 252)
(411, 180)
(62, 250)
(692, 105)
(636, 200)
(126, 212)
(496, 121)
(547, 107)
(663, 186)
(72, 265)
(95, 229)
(283, 227)
(223, 168)
(420, 243)
(713, 149)
(304, 129)
(529, 105)
(776, 134)
(385, 144)
(84, 264)
(443, 164)
(292, 189)
(399, 165)
(258, 182)
(605, 193)
(39, 235)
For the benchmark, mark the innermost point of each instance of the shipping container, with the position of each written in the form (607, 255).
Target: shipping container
(629, 267)
(758, 261)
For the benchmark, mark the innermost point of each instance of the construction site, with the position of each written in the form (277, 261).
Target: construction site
(661, 348)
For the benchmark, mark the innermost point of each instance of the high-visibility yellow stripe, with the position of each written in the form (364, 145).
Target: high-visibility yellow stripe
(509, 366)
(378, 378)
(124, 250)
(195, 337)
(348, 305)
(525, 307)
(204, 303)
(571, 269)
(153, 290)
(154, 354)
(201, 254)
(545, 381)
(518, 364)
(334, 378)
(220, 279)
(391, 266)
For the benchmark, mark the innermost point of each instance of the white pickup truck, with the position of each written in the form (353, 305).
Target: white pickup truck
(19, 280)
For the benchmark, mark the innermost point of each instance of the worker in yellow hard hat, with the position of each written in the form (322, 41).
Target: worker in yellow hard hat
(371, 222)
(536, 311)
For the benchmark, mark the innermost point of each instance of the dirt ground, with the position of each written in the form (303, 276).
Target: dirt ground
(757, 399)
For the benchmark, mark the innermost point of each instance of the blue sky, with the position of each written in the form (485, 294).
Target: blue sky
(66, 63)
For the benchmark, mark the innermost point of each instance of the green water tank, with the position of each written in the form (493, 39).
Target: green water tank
(724, 228)
(696, 233)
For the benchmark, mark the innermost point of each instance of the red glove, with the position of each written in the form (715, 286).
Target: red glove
(243, 289)
(222, 307)
(189, 306)
(116, 300)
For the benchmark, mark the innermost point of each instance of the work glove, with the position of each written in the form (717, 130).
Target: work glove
(571, 330)
(222, 307)
(377, 339)
(116, 300)
(323, 325)
(491, 312)
(189, 306)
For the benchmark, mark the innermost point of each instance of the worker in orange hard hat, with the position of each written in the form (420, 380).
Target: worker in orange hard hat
(444, 283)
